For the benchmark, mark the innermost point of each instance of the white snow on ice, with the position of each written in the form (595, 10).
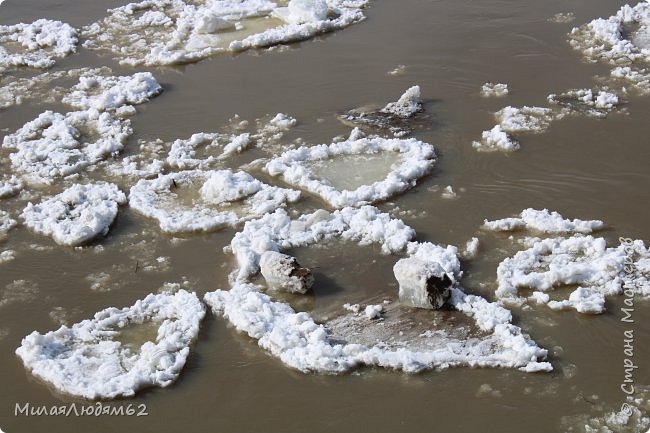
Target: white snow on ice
(86, 360)
(417, 159)
(77, 215)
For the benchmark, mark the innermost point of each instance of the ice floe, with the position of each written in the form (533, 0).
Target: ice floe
(10, 186)
(200, 201)
(7, 256)
(495, 139)
(112, 93)
(417, 160)
(6, 221)
(489, 90)
(618, 39)
(283, 272)
(55, 145)
(39, 43)
(277, 231)
(582, 261)
(183, 153)
(543, 221)
(163, 32)
(301, 343)
(46, 87)
(89, 360)
(396, 117)
(77, 215)
(584, 100)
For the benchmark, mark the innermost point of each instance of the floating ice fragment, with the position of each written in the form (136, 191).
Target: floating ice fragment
(6, 222)
(496, 139)
(283, 272)
(112, 93)
(304, 345)
(471, 249)
(584, 261)
(87, 360)
(277, 231)
(422, 284)
(585, 101)
(10, 186)
(544, 221)
(614, 39)
(417, 160)
(373, 311)
(77, 215)
(498, 90)
(55, 145)
(396, 117)
(195, 200)
(163, 32)
(42, 42)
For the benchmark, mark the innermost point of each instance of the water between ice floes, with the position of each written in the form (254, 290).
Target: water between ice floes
(583, 167)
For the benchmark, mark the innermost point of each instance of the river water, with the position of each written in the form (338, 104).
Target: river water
(582, 167)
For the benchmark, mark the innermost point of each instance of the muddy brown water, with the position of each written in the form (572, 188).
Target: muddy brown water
(581, 167)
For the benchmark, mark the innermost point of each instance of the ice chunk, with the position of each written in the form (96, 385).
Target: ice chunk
(544, 221)
(163, 32)
(525, 119)
(422, 284)
(302, 344)
(6, 222)
(7, 256)
(586, 101)
(609, 39)
(277, 231)
(407, 105)
(496, 139)
(77, 215)
(579, 260)
(397, 117)
(10, 186)
(283, 272)
(418, 159)
(42, 41)
(54, 145)
(87, 360)
(169, 199)
(494, 90)
(373, 311)
(112, 93)
(471, 248)
(583, 300)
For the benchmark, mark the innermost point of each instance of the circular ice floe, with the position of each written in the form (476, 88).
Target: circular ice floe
(77, 215)
(162, 32)
(56, 145)
(196, 200)
(38, 44)
(582, 261)
(417, 159)
(88, 360)
(301, 343)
